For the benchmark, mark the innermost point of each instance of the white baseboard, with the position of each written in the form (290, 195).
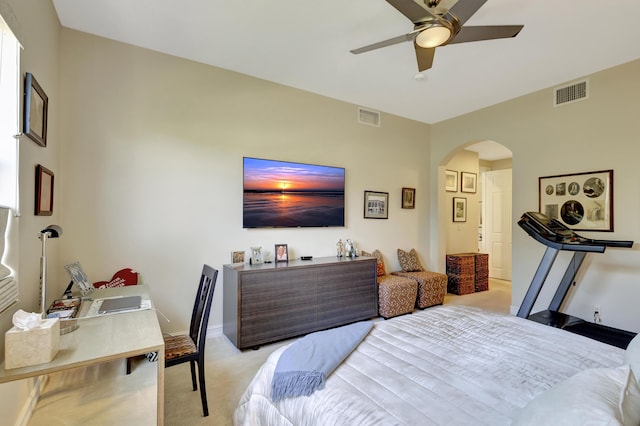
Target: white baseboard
(214, 331)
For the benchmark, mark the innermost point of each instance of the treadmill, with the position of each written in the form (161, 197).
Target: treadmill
(556, 237)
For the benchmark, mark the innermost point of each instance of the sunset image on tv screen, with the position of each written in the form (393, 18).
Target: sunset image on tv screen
(286, 194)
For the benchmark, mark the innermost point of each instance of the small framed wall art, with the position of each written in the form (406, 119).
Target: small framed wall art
(582, 201)
(451, 181)
(44, 191)
(36, 104)
(468, 182)
(282, 253)
(376, 205)
(408, 198)
(459, 209)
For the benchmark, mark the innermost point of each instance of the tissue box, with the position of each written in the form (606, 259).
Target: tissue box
(30, 347)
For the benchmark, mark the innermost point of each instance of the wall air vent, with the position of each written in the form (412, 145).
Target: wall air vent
(573, 93)
(368, 117)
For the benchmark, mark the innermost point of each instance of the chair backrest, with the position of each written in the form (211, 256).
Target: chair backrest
(202, 306)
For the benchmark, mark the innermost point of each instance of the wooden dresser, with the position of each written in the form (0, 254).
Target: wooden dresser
(268, 302)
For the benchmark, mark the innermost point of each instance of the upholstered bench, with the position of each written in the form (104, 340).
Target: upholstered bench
(432, 287)
(396, 295)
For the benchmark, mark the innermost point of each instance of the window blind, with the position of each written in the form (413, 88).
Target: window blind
(8, 285)
(9, 116)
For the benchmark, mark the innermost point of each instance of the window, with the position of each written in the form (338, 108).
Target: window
(9, 125)
(9, 116)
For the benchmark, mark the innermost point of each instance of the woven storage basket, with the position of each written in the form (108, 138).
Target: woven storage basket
(461, 264)
(482, 272)
(461, 284)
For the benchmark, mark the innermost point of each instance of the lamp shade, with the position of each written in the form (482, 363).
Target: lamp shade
(53, 231)
(433, 36)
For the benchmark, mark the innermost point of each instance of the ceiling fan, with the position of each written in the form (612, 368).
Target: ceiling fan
(438, 23)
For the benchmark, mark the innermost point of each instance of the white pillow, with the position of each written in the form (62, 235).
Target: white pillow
(632, 356)
(597, 396)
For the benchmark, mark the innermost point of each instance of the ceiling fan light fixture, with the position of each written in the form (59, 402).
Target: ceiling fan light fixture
(433, 36)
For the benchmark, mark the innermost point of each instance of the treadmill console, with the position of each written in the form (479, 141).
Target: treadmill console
(554, 233)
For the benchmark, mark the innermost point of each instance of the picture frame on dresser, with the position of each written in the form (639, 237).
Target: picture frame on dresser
(36, 105)
(282, 253)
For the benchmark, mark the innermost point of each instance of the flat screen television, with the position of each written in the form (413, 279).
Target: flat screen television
(278, 194)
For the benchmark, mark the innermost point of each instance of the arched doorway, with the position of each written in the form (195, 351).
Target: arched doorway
(482, 171)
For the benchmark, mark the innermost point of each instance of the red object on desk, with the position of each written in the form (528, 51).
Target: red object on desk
(123, 277)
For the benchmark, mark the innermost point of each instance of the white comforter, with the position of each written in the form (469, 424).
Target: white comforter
(449, 365)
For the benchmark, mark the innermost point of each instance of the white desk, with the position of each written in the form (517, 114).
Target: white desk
(105, 338)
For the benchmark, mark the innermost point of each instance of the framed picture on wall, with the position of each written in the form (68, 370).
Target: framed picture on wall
(36, 104)
(44, 191)
(468, 182)
(376, 205)
(581, 201)
(459, 209)
(408, 198)
(451, 180)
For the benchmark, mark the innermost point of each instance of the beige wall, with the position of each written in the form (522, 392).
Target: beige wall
(462, 237)
(596, 134)
(37, 25)
(152, 167)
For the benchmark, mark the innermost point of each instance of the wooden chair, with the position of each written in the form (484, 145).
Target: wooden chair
(190, 348)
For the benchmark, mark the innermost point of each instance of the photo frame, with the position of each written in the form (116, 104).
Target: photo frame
(451, 181)
(282, 253)
(256, 255)
(468, 182)
(44, 191)
(36, 105)
(581, 201)
(237, 257)
(376, 205)
(459, 209)
(408, 198)
(79, 278)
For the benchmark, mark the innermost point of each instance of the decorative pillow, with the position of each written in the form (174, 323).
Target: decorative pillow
(603, 396)
(380, 264)
(632, 356)
(409, 262)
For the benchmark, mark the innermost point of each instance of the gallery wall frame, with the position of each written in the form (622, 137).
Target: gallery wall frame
(451, 180)
(468, 182)
(36, 106)
(44, 191)
(408, 198)
(376, 205)
(459, 209)
(581, 201)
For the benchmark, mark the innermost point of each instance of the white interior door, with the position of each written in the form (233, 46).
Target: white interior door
(497, 206)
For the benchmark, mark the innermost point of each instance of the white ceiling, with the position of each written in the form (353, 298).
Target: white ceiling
(305, 44)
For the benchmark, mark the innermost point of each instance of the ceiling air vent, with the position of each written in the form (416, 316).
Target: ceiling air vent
(572, 93)
(368, 117)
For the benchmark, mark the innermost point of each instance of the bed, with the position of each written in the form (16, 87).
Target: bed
(452, 365)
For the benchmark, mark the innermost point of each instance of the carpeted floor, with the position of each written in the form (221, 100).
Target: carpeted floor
(228, 371)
